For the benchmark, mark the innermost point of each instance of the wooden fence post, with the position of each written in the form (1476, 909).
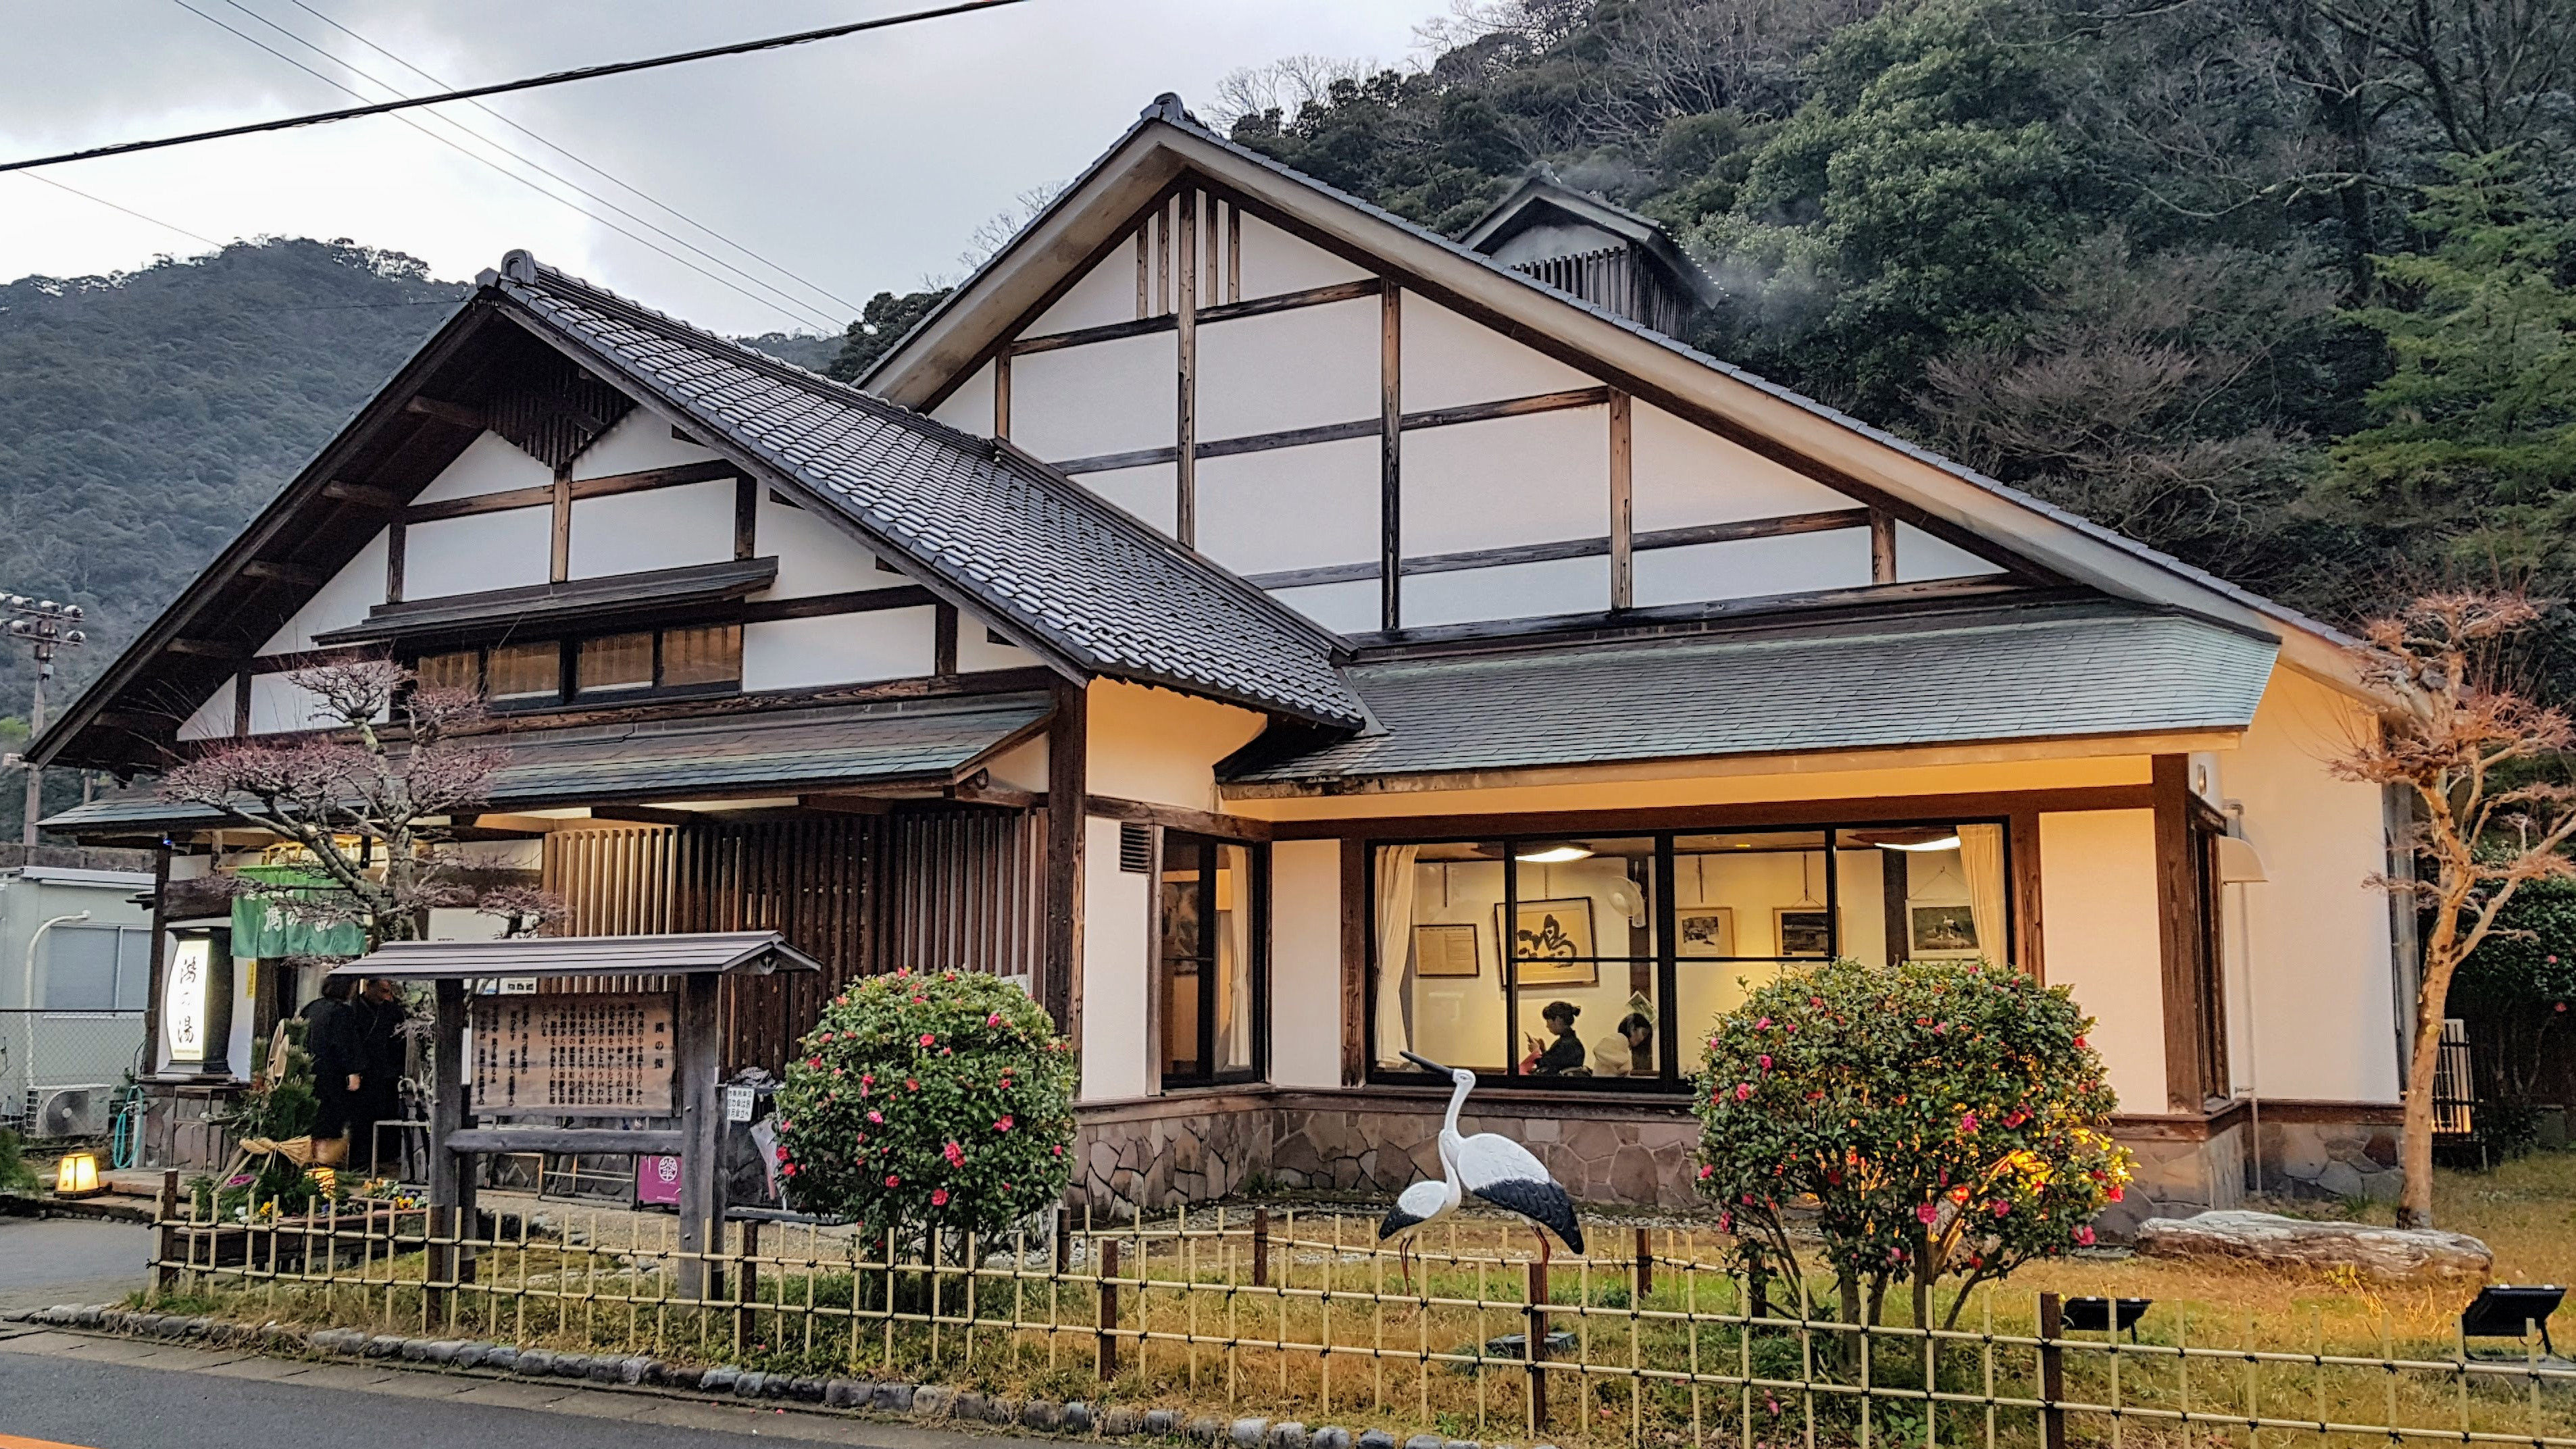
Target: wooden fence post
(747, 1285)
(2052, 1371)
(1261, 1247)
(1534, 1346)
(1107, 1367)
(1645, 1265)
(165, 1237)
(1063, 1239)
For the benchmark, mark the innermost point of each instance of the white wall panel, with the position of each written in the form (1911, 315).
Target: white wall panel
(1291, 508)
(814, 555)
(1513, 591)
(1306, 963)
(838, 649)
(2097, 913)
(1682, 475)
(1920, 556)
(977, 651)
(278, 705)
(1296, 369)
(1148, 492)
(659, 528)
(1106, 294)
(1535, 478)
(489, 464)
(214, 718)
(343, 601)
(1753, 568)
(1117, 913)
(1105, 397)
(1449, 360)
(1275, 262)
(970, 408)
(1342, 608)
(478, 552)
(640, 440)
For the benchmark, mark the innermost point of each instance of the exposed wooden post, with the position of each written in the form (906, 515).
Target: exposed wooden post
(1185, 271)
(1390, 465)
(1645, 1266)
(2052, 1371)
(165, 1238)
(2178, 935)
(394, 561)
(1261, 1247)
(448, 1169)
(561, 550)
(1068, 746)
(1107, 1273)
(747, 1285)
(1882, 546)
(746, 516)
(1063, 1239)
(1002, 393)
(1534, 1344)
(1623, 559)
(701, 1123)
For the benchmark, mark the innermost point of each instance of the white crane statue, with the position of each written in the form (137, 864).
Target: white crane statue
(1491, 1166)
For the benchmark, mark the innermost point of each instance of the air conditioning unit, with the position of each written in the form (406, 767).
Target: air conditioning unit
(79, 1111)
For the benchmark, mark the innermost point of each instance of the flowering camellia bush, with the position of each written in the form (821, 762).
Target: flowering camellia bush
(1939, 1117)
(940, 1101)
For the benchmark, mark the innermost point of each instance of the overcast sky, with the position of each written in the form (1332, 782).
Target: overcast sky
(857, 164)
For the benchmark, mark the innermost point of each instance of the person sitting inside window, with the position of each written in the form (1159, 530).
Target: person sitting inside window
(1627, 1052)
(1562, 1057)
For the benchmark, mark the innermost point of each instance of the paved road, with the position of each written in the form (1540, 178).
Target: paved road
(102, 1393)
(45, 1261)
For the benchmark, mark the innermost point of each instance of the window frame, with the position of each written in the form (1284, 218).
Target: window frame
(129, 960)
(1256, 869)
(1669, 1077)
(569, 693)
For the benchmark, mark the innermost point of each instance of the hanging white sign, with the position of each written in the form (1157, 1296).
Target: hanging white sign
(185, 987)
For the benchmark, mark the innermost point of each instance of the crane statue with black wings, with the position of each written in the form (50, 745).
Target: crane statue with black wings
(1488, 1165)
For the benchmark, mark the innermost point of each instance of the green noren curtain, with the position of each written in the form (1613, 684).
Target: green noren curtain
(262, 930)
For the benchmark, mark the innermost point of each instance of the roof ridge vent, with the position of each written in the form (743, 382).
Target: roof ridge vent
(1168, 107)
(519, 265)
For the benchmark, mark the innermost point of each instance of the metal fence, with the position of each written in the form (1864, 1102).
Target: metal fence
(1657, 1340)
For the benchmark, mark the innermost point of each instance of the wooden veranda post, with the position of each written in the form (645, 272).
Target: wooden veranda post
(2052, 1371)
(701, 1132)
(451, 1182)
(1534, 1345)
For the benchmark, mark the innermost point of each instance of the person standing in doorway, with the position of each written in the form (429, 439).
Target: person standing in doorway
(332, 1040)
(379, 1013)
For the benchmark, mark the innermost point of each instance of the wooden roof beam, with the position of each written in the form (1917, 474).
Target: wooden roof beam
(366, 495)
(447, 412)
(285, 573)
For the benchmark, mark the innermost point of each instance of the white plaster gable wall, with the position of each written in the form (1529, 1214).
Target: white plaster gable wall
(1536, 478)
(1275, 262)
(658, 528)
(639, 440)
(1450, 361)
(1920, 556)
(979, 652)
(838, 649)
(1301, 368)
(1148, 492)
(1159, 746)
(345, 600)
(2325, 1016)
(1683, 476)
(1117, 1059)
(1753, 568)
(2100, 937)
(1105, 397)
(1106, 294)
(214, 718)
(1293, 508)
(1021, 767)
(479, 551)
(489, 464)
(1306, 963)
(970, 408)
(1344, 608)
(278, 705)
(1510, 591)
(815, 556)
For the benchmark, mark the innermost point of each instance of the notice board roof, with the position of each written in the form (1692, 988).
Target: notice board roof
(756, 953)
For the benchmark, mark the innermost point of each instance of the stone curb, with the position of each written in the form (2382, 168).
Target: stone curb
(927, 1402)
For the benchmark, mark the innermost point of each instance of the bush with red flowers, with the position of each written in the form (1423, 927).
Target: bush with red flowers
(929, 1100)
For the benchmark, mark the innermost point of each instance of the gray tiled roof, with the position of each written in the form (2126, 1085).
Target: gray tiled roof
(1946, 681)
(709, 756)
(1035, 549)
(757, 953)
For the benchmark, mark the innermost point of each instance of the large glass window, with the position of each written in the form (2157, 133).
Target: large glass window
(1208, 966)
(97, 968)
(1585, 958)
(695, 659)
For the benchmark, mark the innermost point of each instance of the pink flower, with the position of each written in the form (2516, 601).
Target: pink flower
(928, 1040)
(939, 1197)
(1004, 1125)
(1967, 1124)
(1927, 1212)
(1706, 1172)
(2116, 1194)
(948, 975)
(815, 1062)
(2084, 1235)
(877, 1117)
(2079, 1043)
(1743, 1091)
(787, 1169)
(1763, 1025)
(955, 1154)
(910, 1085)
(1726, 1222)
(1059, 1149)
(893, 1181)
(2002, 1207)
(1765, 1060)
(994, 1020)
(867, 1079)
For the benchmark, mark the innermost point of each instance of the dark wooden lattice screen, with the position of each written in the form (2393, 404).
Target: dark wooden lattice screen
(860, 893)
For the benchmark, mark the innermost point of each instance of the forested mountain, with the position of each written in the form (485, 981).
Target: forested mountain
(2280, 286)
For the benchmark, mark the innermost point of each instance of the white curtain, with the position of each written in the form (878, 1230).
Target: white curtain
(1233, 962)
(1395, 883)
(1981, 860)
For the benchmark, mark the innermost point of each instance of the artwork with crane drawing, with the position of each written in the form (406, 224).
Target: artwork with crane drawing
(1491, 1166)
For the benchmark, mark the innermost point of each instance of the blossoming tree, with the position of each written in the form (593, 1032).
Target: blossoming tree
(939, 1101)
(1942, 1118)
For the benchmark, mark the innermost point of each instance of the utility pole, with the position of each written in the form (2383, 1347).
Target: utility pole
(45, 626)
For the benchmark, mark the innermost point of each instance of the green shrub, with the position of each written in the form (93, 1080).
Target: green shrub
(1940, 1117)
(942, 1101)
(15, 1174)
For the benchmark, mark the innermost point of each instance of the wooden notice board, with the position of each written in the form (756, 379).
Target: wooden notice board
(574, 1055)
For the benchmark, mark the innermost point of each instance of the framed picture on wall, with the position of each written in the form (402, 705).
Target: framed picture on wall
(1445, 951)
(1803, 932)
(1705, 930)
(1943, 930)
(1552, 945)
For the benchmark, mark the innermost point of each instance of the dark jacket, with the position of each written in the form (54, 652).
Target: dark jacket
(380, 1050)
(332, 1039)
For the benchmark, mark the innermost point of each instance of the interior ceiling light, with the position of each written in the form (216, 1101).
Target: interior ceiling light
(1924, 838)
(1550, 852)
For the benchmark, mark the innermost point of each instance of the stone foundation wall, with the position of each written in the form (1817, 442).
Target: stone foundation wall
(1634, 1158)
(2330, 1160)
(1161, 1154)
(2175, 1179)
(178, 1130)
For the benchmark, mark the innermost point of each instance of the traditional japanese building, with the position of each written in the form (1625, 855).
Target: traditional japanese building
(1282, 637)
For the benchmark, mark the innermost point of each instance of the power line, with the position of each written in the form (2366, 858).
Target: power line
(594, 167)
(553, 78)
(129, 211)
(453, 145)
(811, 314)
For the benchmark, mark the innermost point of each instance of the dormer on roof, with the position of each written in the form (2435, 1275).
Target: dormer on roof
(1607, 255)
